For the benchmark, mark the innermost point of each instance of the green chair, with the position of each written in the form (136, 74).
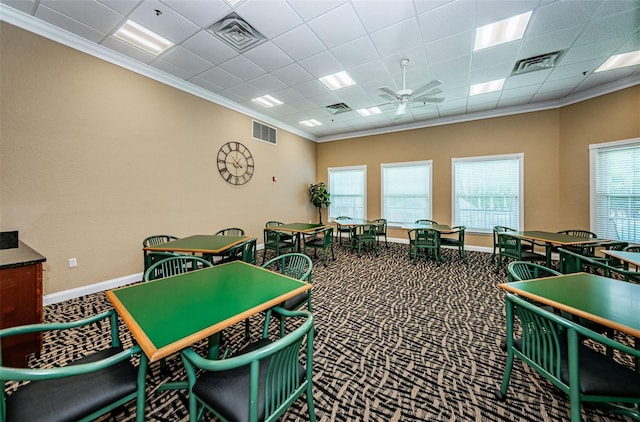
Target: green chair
(381, 230)
(425, 221)
(632, 248)
(346, 230)
(323, 239)
(424, 243)
(510, 247)
(175, 265)
(278, 242)
(153, 241)
(457, 241)
(294, 265)
(84, 389)
(259, 382)
(364, 236)
(285, 237)
(526, 245)
(553, 346)
(572, 262)
(611, 260)
(230, 231)
(245, 251)
(582, 250)
(522, 270)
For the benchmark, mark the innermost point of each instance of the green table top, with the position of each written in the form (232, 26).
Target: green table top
(299, 227)
(438, 227)
(169, 314)
(626, 256)
(612, 303)
(202, 243)
(554, 238)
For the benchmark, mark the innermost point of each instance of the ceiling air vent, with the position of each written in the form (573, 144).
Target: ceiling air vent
(236, 33)
(337, 108)
(265, 133)
(541, 62)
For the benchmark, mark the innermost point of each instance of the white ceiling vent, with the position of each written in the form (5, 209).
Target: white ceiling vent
(265, 133)
(337, 108)
(541, 62)
(237, 33)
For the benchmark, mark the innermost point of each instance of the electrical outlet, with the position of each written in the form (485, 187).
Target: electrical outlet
(73, 262)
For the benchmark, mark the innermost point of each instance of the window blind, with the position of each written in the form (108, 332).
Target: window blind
(406, 192)
(347, 190)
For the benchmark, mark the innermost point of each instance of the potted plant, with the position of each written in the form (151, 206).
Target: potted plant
(319, 196)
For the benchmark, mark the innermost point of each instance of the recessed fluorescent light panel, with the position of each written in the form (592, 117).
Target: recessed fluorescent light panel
(267, 101)
(621, 60)
(502, 31)
(371, 111)
(310, 123)
(486, 87)
(139, 36)
(337, 80)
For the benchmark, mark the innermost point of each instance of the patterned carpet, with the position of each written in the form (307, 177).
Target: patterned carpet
(395, 342)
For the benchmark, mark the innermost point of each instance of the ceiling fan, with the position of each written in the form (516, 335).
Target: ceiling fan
(404, 95)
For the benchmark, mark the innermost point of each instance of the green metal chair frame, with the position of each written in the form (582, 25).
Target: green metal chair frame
(294, 265)
(553, 346)
(523, 270)
(632, 248)
(175, 265)
(583, 250)
(364, 236)
(527, 245)
(82, 390)
(347, 230)
(423, 243)
(286, 237)
(381, 230)
(245, 251)
(611, 260)
(230, 231)
(153, 241)
(322, 239)
(278, 242)
(260, 382)
(510, 247)
(572, 262)
(457, 242)
(426, 221)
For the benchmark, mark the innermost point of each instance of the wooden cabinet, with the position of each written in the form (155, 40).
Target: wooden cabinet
(20, 301)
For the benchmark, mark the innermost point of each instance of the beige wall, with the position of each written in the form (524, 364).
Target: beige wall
(554, 142)
(94, 158)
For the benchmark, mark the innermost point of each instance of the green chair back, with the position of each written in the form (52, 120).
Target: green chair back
(554, 347)
(322, 239)
(175, 265)
(521, 270)
(278, 242)
(456, 241)
(572, 262)
(424, 243)
(245, 251)
(153, 241)
(510, 247)
(83, 390)
(381, 229)
(230, 231)
(364, 237)
(267, 376)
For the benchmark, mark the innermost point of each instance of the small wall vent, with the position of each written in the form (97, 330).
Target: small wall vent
(237, 33)
(337, 108)
(541, 62)
(265, 133)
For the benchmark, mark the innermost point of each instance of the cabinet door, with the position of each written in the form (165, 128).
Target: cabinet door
(20, 304)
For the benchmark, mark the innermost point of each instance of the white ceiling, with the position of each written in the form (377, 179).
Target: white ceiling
(308, 39)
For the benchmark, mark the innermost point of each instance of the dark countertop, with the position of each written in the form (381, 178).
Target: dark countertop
(20, 256)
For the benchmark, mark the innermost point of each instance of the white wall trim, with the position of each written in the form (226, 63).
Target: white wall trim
(90, 289)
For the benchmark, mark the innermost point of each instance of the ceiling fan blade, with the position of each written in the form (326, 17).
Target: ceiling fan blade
(389, 91)
(402, 108)
(427, 99)
(426, 87)
(388, 97)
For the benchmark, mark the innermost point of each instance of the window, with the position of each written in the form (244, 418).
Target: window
(488, 192)
(406, 192)
(615, 190)
(347, 186)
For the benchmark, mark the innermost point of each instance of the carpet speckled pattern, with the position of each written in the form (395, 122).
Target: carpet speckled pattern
(395, 341)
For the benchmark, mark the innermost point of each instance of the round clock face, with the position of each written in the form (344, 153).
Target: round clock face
(235, 163)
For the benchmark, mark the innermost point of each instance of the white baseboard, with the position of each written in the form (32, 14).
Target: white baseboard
(90, 289)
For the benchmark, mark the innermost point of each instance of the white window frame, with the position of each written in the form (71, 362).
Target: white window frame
(429, 195)
(493, 222)
(633, 234)
(332, 213)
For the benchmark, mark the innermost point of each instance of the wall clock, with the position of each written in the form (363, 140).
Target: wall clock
(235, 163)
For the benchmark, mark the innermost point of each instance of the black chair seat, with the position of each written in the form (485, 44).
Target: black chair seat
(599, 374)
(228, 391)
(295, 302)
(72, 398)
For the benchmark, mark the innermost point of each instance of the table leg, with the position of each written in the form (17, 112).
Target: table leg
(548, 248)
(214, 345)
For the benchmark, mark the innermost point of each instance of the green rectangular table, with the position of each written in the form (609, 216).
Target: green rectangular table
(170, 314)
(609, 302)
(627, 257)
(200, 243)
(552, 239)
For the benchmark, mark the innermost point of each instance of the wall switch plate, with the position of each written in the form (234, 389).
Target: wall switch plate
(73, 262)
